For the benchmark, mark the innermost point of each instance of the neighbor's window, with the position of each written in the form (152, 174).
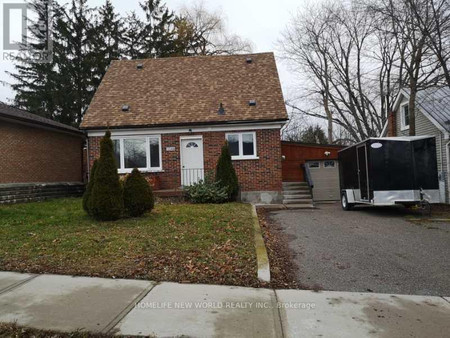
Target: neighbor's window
(143, 153)
(405, 116)
(242, 145)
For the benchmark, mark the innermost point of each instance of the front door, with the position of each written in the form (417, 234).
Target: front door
(362, 172)
(192, 169)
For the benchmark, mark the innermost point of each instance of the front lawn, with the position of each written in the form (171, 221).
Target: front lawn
(209, 243)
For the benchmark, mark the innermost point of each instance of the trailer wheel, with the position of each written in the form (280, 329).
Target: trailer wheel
(344, 202)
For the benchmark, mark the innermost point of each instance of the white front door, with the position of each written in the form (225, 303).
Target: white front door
(191, 151)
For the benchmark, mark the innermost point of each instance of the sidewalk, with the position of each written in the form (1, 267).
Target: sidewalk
(133, 307)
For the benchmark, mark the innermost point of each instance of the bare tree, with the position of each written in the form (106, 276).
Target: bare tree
(327, 45)
(418, 68)
(353, 58)
(433, 20)
(202, 32)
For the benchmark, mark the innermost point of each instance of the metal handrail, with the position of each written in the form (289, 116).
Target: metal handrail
(192, 175)
(307, 175)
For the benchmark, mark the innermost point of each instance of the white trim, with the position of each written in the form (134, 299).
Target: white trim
(193, 137)
(179, 130)
(403, 126)
(398, 99)
(447, 149)
(423, 111)
(147, 138)
(241, 155)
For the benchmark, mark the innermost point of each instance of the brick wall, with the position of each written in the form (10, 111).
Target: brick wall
(30, 154)
(263, 174)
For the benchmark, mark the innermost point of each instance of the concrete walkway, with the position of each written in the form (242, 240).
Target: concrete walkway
(133, 307)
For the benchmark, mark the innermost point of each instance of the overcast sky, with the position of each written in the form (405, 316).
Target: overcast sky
(260, 21)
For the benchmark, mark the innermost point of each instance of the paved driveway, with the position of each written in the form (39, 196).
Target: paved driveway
(368, 249)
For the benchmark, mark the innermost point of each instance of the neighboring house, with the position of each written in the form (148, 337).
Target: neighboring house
(39, 157)
(169, 117)
(433, 119)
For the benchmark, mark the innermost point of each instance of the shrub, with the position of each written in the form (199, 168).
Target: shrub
(207, 191)
(106, 198)
(88, 192)
(137, 194)
(226, 175)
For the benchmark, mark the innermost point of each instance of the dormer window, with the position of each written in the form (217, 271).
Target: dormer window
(404, 118)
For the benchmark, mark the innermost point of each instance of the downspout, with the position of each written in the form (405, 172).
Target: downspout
(87, 159)
(447, 149)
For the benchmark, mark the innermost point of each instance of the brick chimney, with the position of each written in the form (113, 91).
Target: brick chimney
(392, 130)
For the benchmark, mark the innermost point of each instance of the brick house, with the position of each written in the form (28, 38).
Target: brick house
(40, 157)
(169, 117)
(432, 119)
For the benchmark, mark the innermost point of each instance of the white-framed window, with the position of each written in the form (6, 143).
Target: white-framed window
(314, 165)
(142, 152)
(329, 164)
(242, 145)
(404, 116)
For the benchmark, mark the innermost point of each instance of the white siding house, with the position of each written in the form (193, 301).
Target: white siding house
(432, 119)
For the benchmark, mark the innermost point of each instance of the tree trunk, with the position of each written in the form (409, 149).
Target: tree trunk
(412, 107)
(329, 117)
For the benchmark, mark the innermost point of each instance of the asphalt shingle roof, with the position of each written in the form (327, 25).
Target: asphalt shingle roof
(187, 91)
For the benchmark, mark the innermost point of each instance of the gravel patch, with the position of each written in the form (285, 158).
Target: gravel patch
(367, 249)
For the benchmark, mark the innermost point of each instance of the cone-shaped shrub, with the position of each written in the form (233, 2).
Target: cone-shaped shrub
(137, 194)
(106, 198)
(88, 192)
(225, 173)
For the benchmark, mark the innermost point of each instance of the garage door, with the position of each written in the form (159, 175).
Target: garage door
(325, 176)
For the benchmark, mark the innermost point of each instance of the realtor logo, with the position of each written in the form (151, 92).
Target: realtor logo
(27, 31)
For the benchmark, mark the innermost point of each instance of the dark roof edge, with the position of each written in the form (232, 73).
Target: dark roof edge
(31, 121)
(190, 124)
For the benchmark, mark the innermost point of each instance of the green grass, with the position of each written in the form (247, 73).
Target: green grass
(177, 242)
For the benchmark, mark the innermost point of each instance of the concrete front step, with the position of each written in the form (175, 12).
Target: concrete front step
(295, 184)
(300, 182)
(296, 196)
(298, 201)
(297, 191)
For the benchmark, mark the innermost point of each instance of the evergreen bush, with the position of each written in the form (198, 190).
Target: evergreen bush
(226, 175)
(137, 194)
(106, 198)
(88, 192)
(207, 191)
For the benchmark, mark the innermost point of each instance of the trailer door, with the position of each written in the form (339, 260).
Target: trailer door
(363, 172)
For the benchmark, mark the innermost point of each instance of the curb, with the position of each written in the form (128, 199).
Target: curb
(261, 252)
